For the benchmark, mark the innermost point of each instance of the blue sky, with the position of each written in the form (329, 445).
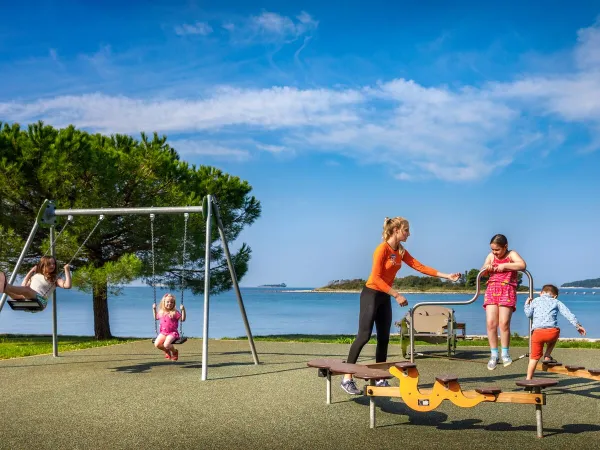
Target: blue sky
(469, 120)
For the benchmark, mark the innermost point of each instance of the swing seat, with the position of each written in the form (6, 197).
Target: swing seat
(33, 305)
(179, 341)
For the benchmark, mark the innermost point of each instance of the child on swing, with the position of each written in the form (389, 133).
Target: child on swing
(169, 320)
(39, 283)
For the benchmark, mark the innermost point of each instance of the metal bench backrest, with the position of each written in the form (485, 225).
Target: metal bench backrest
(432, 319)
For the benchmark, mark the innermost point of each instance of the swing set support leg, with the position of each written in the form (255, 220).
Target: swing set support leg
(13, 275)
(235, 284)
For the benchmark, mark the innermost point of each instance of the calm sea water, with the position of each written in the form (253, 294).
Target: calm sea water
(270, 311)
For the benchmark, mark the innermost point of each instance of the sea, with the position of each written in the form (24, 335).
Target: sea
(270, 311)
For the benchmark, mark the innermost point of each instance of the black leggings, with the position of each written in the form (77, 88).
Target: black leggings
(375, 308)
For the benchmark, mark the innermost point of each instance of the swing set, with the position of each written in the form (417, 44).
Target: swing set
(47, 216)
(186, 216)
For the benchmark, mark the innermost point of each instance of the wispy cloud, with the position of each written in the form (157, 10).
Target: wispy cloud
(198, 28)
(417, 131)
(269, 27)
(188, 147)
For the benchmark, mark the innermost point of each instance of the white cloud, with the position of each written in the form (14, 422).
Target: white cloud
(209, 148)
(573, 97)
(269, 27)
(201, 28)
(272, 148)
(416, 131)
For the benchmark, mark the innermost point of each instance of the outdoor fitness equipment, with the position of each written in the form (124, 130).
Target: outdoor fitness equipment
(446, 387)
(573, 371)
(450, 322)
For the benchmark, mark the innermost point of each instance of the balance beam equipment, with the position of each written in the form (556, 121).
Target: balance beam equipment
(573, 371)
(328, 367)
(446, 387)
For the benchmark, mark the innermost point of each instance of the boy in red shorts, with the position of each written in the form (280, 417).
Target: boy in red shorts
(544, 311)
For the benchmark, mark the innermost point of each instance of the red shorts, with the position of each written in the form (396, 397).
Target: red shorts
(541, 336)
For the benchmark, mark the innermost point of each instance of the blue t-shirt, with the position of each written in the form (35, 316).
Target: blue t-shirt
(545, 309)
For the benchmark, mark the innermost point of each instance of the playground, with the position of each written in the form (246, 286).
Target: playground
(128, 396)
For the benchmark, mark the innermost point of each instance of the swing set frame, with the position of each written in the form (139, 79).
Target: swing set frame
(47, 216)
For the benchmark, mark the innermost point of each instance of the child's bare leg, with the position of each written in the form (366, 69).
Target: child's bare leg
(159, 342)
(491, 320)
(531, 368)
(505, 315)
(169, 343)
(549, 347)
(20, 292)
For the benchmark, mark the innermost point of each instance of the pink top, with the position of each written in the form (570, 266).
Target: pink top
(508, 278)
(168, 324)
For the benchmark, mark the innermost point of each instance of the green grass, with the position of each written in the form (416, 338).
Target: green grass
(515, 341)
(16, 346)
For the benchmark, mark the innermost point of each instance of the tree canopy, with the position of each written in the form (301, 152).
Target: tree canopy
(81, 170)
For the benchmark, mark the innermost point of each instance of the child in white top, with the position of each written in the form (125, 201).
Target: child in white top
(39, 282)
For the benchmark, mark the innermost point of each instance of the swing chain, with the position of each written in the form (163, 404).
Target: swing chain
(153, 274)
(186, 216)
(69, 220)
(184, 254)
(100, 219)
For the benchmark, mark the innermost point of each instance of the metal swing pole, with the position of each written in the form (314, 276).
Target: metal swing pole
(54, 306)
(28, 243)
(208, 214)
(235, 283)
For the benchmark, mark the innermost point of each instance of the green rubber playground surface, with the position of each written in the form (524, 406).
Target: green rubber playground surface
(129, 396)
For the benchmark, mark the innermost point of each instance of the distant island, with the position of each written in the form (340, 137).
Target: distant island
(413, 283)
(590, 283)
(274, 285)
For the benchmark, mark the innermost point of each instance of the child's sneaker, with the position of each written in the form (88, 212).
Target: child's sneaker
(492, 363)
(350, 387)
(175, 356)
(506, 360)
(382, 383)
(167, 355)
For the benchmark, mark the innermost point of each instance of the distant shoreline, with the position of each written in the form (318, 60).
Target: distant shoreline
(358, 291)
(352, 291)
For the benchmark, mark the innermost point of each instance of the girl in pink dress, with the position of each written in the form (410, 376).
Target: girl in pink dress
(169, 320)
(500, 301)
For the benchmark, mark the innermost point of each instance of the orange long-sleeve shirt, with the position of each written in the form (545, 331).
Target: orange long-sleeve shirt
(387, 262)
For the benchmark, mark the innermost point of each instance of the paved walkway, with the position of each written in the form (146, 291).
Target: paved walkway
(128, 396)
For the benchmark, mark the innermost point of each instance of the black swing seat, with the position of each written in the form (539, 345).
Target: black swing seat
(179, 341)
(32, 305)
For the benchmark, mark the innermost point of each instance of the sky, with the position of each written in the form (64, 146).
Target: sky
(467, 119)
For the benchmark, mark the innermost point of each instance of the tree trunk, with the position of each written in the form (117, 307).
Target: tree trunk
(101, 322)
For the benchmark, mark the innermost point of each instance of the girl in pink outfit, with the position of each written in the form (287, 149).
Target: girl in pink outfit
(500, 301)
(169, 320)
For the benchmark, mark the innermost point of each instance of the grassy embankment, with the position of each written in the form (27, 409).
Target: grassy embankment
(16, 346)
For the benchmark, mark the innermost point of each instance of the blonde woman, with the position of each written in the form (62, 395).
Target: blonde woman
(375, 298)
(169, 320)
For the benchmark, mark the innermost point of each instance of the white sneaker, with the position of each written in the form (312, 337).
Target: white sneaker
(350, 387)
(382, 383)
(506, 360)
(492, 363)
